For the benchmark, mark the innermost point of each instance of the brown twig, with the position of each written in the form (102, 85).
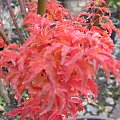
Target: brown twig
(107, 2)
(14, 21)
(96, 18)
(10, 29)
(41, 7)
(4, 93)
(4, 37)
(22, 6)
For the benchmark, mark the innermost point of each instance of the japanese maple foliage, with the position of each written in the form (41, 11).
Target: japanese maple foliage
(57, 64)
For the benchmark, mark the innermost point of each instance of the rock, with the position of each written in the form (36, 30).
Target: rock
(81, 113)
(103, 114)
(112, 76)
(102, 78)
(108, 108)
(117, 51)
(101, 108)
(87, 114)
(111, 81)
(111, 116)
(85, 103)
(92, 109)
(2, 108)
(116, 110)
(109, 92)
(110, 101)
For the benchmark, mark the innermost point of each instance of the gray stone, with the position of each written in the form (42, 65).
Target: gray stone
(108, 108)
(110, 86)
(109, 92)
(110, 101)
(92, 109)
(111, 116)
(102, 78)
(81, 113)
(112, 76)
(103, 114)
(85, 103)
(87, 114)
(116, 110)
(117, 51)
(111, 81)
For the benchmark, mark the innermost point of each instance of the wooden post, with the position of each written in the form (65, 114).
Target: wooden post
(41, 7)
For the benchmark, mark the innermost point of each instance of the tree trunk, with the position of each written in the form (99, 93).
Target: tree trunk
(41, 7)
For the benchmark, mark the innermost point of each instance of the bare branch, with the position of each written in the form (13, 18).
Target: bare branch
(14, 21)
(4, 37)
(22, 6)
(4, 93)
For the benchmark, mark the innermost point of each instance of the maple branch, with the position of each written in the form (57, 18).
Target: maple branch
(107, 2)
(22, 7)
(41, 7)
(96, 18)
(3, 92)
(14, 21)
(4, 37)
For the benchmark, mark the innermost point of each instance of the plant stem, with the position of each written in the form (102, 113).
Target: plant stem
(14, 21)
(41, 7)
(96, 18)
(107, 2)
(4, 37)
(22, 6)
